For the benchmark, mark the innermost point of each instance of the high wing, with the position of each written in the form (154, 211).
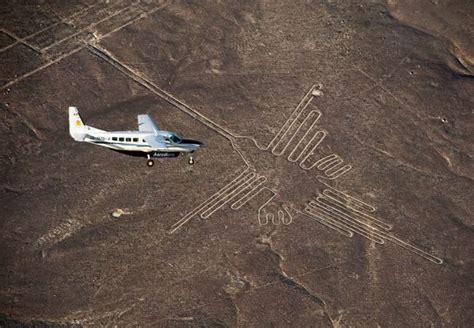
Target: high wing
(146, 123)
(155, 142)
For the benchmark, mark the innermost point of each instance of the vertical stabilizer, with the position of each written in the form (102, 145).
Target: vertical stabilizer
(77, 129)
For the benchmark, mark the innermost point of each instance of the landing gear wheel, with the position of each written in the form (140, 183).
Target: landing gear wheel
(191, 161)
(150, 163)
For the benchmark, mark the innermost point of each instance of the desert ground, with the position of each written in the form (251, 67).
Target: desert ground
(335, 188)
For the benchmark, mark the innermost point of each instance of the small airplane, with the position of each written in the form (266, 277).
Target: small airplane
(149, 141)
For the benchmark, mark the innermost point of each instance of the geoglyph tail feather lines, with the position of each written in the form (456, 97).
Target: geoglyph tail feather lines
(344, 213)
(414, 249)
(354, 226)
(328, 222)
(344, 198)
(350, 205)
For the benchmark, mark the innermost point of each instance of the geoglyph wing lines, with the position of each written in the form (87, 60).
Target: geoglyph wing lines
(299, 139)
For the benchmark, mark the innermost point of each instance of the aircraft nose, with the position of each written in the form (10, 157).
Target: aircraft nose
(192, 142)
(199, 144)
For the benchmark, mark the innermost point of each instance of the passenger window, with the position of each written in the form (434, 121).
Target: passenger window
(135, 139)
(114, 138)
(143, 140)
(128, 139)
(120, 139)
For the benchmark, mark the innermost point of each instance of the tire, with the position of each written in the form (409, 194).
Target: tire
(150, 163)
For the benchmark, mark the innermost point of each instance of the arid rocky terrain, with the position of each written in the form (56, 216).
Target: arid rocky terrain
(335, 188)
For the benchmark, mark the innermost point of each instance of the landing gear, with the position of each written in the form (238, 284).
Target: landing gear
(149, 162)
(191, 159)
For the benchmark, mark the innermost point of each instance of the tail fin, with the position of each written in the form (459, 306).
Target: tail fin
(77, 129)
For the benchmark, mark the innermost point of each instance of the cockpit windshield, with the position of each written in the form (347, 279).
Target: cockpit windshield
(175, 139)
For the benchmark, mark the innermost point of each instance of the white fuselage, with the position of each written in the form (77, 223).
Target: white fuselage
(149, 139)
(130, 141)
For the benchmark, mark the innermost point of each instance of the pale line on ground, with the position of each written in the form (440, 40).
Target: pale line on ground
(304, 137)
(328, 222)
(344, 212)
(177, 225)
(352, 200)
(54, 61)
(284, 128)
(346, 221)
(329, 193)
(61, 57)
(48, 27)
(290, 121)
(280, 216)
(104, 54)
(225, 198)
(17, 41)
(263, 205)
(310, 152)
(249, 195)
(334, 215)
(293, 135)
(87, 28)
